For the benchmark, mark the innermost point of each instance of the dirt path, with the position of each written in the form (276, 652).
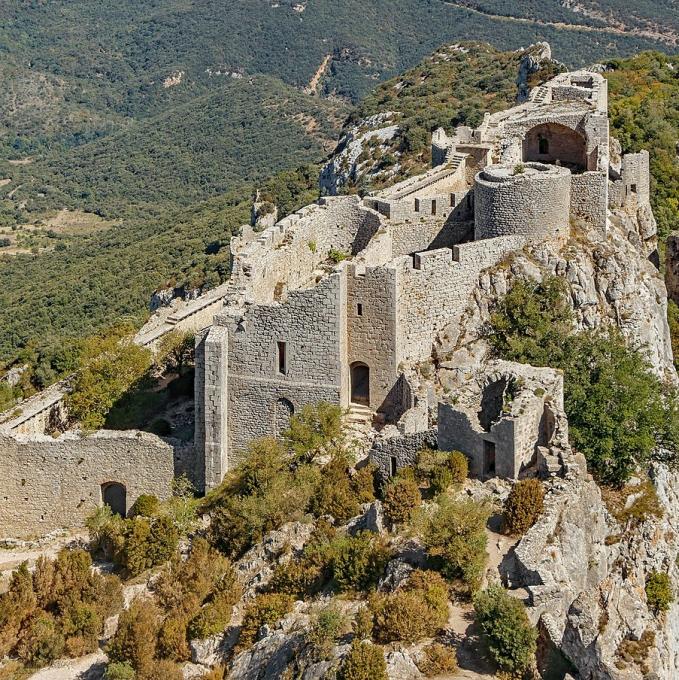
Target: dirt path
(312, 87)
(90, 667)
(669, 38)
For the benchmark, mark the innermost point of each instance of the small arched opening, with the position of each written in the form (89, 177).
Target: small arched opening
(360, 383)
(114, 494)
(557, 144)
(283, 412)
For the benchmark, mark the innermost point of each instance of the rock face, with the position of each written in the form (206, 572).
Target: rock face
(353, 158)
(611, 281)
(531, 62)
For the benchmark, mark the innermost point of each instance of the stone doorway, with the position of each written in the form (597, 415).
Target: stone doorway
(488, 459)
(360, 384)
(114, 495)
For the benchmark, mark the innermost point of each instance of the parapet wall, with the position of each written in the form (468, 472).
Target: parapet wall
(51, 483)
(531, 200)
(434, 289)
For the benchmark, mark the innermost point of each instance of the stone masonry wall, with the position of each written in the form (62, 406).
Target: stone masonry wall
(372, 332)
(535, 203)
(312, 325)
(589, 198)
(51, 483)
(400, 451)
(434, 289)
(286, 256)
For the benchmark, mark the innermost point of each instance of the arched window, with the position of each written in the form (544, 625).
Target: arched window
(114, 495)
(543, 144)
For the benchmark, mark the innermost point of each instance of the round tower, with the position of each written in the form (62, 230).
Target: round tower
(526, 199)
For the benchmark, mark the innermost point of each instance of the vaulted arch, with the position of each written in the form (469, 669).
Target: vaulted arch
(552, 142)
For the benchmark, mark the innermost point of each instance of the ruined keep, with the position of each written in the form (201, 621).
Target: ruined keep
(343, 300)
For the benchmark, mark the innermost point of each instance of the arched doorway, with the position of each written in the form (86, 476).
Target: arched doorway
(114, 495)
(552, 142)
(360, 383)
(283, 411)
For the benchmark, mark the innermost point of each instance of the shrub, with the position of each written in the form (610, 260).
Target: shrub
(363, 483)
(146, 505)
(148, 543)
(364, 661)
(335, 494)
(136, 636)
(266, 608)
(363, 624)
(512, 641)
(401, 497)
(111, 364)
(41, 640)
(437, 659)
(523, 506)
(119, 670)
(337, 256)
(326, 627)
(172, 642)
(618, 411)
(359, 561)
(440, 469)
(215, 616)
(313, 429)
(659, 593)
(455, 536)
(162, 669)
(417, 610)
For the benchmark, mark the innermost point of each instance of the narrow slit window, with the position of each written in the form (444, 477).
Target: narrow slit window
(282, 358)
(359, 309)
(393, 466)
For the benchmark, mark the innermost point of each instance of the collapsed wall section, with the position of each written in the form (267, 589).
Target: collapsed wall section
(49, 484)
(288, 255)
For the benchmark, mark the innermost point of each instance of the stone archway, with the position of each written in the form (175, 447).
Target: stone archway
(283, 411)
(114, 494)
(554, 142)
(360, 383)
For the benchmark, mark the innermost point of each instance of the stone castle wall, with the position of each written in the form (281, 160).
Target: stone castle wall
(372, 332)
(434, 289)
(589, 199)
(534, 202)
(50, 483)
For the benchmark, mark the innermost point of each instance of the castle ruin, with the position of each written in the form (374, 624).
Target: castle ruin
(343, 300)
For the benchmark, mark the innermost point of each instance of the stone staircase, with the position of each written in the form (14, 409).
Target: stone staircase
(358, 422)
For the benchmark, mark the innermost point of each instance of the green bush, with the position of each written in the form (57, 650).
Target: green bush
(364, 661)
(415, 611)
(358, 562)
(111, 364)
(455, 536)
(172, 640)
(511, 640)
(266, 608)
(523, 506)
(147, 543)
(313, 429)
(659, 594)
(118, 670)
(363, 624)
(401, 497)
(441, 469)
(437, 659)
(326, 627)
(136, 637)
(41, 640)
(146, 505)
(336, 494)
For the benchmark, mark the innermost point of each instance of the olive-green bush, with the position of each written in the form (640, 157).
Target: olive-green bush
(441, 469)
(359, 561)
(401, 497)
(417, 610)
(455, 537)
(523, 506)
(437, 659)
(505, 626)
(146, 505)
(266, 608)
(659, 593)
(365, 661)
